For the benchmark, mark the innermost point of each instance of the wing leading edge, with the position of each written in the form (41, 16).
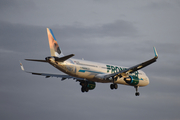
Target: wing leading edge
(134, 68)
(47, 75)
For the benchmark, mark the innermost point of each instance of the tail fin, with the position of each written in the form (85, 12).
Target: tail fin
(54, 47)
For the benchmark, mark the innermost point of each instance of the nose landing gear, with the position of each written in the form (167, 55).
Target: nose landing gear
(137, 93)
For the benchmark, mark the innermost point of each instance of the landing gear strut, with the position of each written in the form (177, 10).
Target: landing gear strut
(137, 93)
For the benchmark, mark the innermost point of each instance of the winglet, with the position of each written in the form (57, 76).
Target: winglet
(155, 52)
(22, 68)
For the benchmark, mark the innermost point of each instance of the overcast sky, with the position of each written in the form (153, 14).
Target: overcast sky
(109, 31)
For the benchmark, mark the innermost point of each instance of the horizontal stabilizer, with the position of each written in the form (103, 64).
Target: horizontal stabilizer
(62, 59)
(36, 60)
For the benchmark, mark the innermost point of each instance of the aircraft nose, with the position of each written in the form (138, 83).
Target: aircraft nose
(147, 80)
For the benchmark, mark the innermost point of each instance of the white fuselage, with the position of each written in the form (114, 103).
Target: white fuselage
(88, 71)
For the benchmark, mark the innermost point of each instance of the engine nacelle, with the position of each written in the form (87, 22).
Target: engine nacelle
(131, 80)
(90, 85)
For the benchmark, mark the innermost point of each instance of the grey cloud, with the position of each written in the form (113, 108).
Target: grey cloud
(16, 10)
(24, 96)
(150, 6)
(7, 3)
(160, 5)
(15, 36)
(118, 28)
(14, 5)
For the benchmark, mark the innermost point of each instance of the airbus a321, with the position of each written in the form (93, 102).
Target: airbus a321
(88, 73)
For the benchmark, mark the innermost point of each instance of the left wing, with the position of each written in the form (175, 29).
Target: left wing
(134, 68)
(47, 75)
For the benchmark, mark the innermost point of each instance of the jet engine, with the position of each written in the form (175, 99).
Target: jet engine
(131, 80)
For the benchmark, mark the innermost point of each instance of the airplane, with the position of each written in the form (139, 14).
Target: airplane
(87, 73)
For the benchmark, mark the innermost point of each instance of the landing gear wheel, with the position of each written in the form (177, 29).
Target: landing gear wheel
(137, 93)
(86, 89)
(113, 86)
(82, 89)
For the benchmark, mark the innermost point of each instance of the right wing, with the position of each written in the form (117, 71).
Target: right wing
(47, 75)
(61, 59)
(134, 68)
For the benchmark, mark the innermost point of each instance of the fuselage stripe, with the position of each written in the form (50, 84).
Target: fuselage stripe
(90, 71)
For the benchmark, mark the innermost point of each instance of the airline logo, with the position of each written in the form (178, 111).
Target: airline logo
(114, 69)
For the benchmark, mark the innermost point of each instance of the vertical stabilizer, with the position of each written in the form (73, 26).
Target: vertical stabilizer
(53, 45)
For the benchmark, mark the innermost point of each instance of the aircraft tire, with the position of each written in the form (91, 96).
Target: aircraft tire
(137, 93)
(115, 86)
(82, 89)
(112, 86)
(86, 89)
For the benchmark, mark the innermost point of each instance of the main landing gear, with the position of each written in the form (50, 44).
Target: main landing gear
(84, 87)
(137, 93)
(113, 86)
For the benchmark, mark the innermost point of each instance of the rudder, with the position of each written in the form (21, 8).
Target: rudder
(53, 45)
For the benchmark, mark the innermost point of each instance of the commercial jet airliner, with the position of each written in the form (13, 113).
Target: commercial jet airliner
(88, 73)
